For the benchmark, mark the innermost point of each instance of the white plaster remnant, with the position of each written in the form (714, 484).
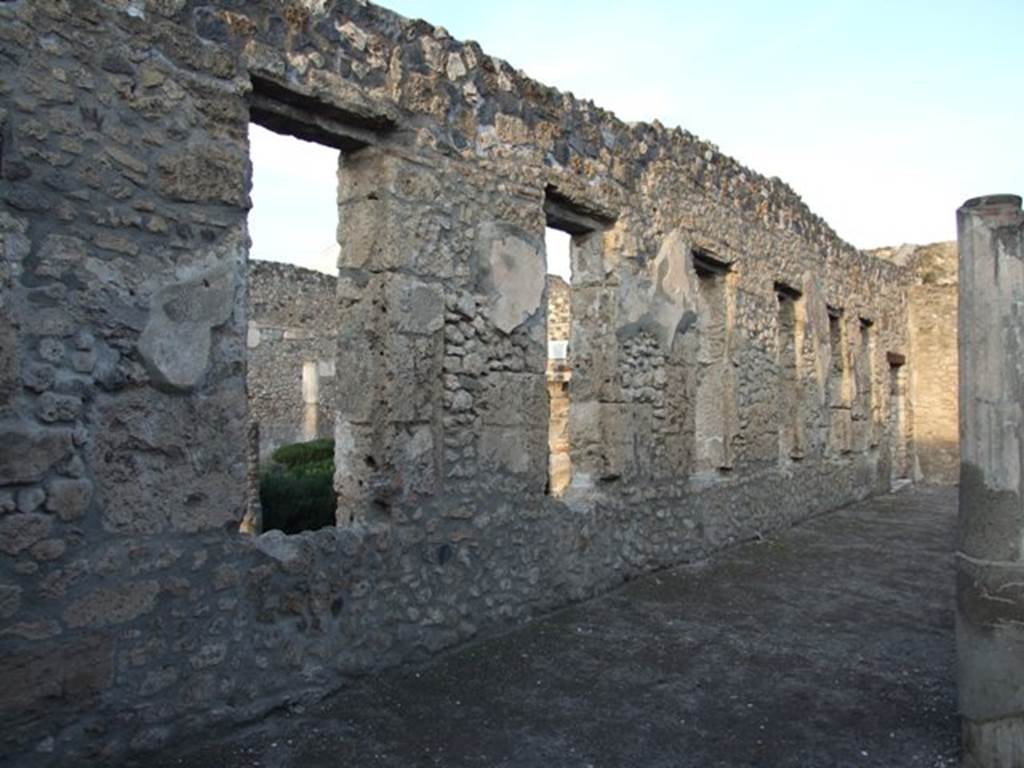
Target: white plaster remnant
(517, 277)
(665, 299)
(675, 287)
(276, 545)
(176, 341)
(252, 338)
(136, 9)
(818, 327)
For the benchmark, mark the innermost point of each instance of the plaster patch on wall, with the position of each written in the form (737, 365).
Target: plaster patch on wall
(675, 288)
(515, 277)
(175, 344)
(818, 327)
(663, 302)
(253, 337)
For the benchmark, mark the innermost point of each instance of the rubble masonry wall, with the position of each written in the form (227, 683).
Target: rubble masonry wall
(131, 609)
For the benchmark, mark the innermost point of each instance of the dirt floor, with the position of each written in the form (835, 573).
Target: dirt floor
(829, 646)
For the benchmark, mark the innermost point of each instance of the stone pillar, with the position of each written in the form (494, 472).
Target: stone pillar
(391, 305)
(990, 555)
(310, 401)
(594, 361)
(253, 520)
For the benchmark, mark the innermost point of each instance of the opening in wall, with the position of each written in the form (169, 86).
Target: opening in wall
(898, 422)
(575, 245)
(838, 391)
(715, 396)
(294, 214)
(864, 410)
(559, 367)
(291, 345)
(789, 342)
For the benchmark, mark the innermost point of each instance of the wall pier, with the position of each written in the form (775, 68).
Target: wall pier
(990, 549)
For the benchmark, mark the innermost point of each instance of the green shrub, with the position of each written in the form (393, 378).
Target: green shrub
(316, 468)
(297, 491)
(298, 454)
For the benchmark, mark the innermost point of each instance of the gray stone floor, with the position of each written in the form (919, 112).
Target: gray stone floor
(829, 646)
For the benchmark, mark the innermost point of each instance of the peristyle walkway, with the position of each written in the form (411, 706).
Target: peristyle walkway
(831, 645)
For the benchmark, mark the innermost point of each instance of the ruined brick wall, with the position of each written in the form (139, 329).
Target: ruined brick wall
(292, 342)
(132, 612)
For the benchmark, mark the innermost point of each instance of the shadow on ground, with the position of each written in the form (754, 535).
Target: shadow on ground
(829, 646)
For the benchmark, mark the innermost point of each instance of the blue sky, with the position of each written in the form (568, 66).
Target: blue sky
(884, 117)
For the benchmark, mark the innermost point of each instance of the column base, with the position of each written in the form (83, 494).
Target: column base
(993, 743)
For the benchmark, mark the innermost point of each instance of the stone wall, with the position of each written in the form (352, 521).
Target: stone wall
(559, 308)
(932, 303)
(132, 611)
(933, 349)
(292, 342)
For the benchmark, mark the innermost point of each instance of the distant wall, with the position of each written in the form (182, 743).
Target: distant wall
(559, 317)
(291, 352)
(933, 344)
(932, 329)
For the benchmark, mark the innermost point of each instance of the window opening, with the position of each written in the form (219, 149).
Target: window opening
(575, 247)
(838, 384)
(291, 345)
(898, 423)
(559, 366)
(864, 411)
(789, 340)
(715, 396)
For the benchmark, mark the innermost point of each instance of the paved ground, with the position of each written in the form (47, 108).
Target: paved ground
(831, 646)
